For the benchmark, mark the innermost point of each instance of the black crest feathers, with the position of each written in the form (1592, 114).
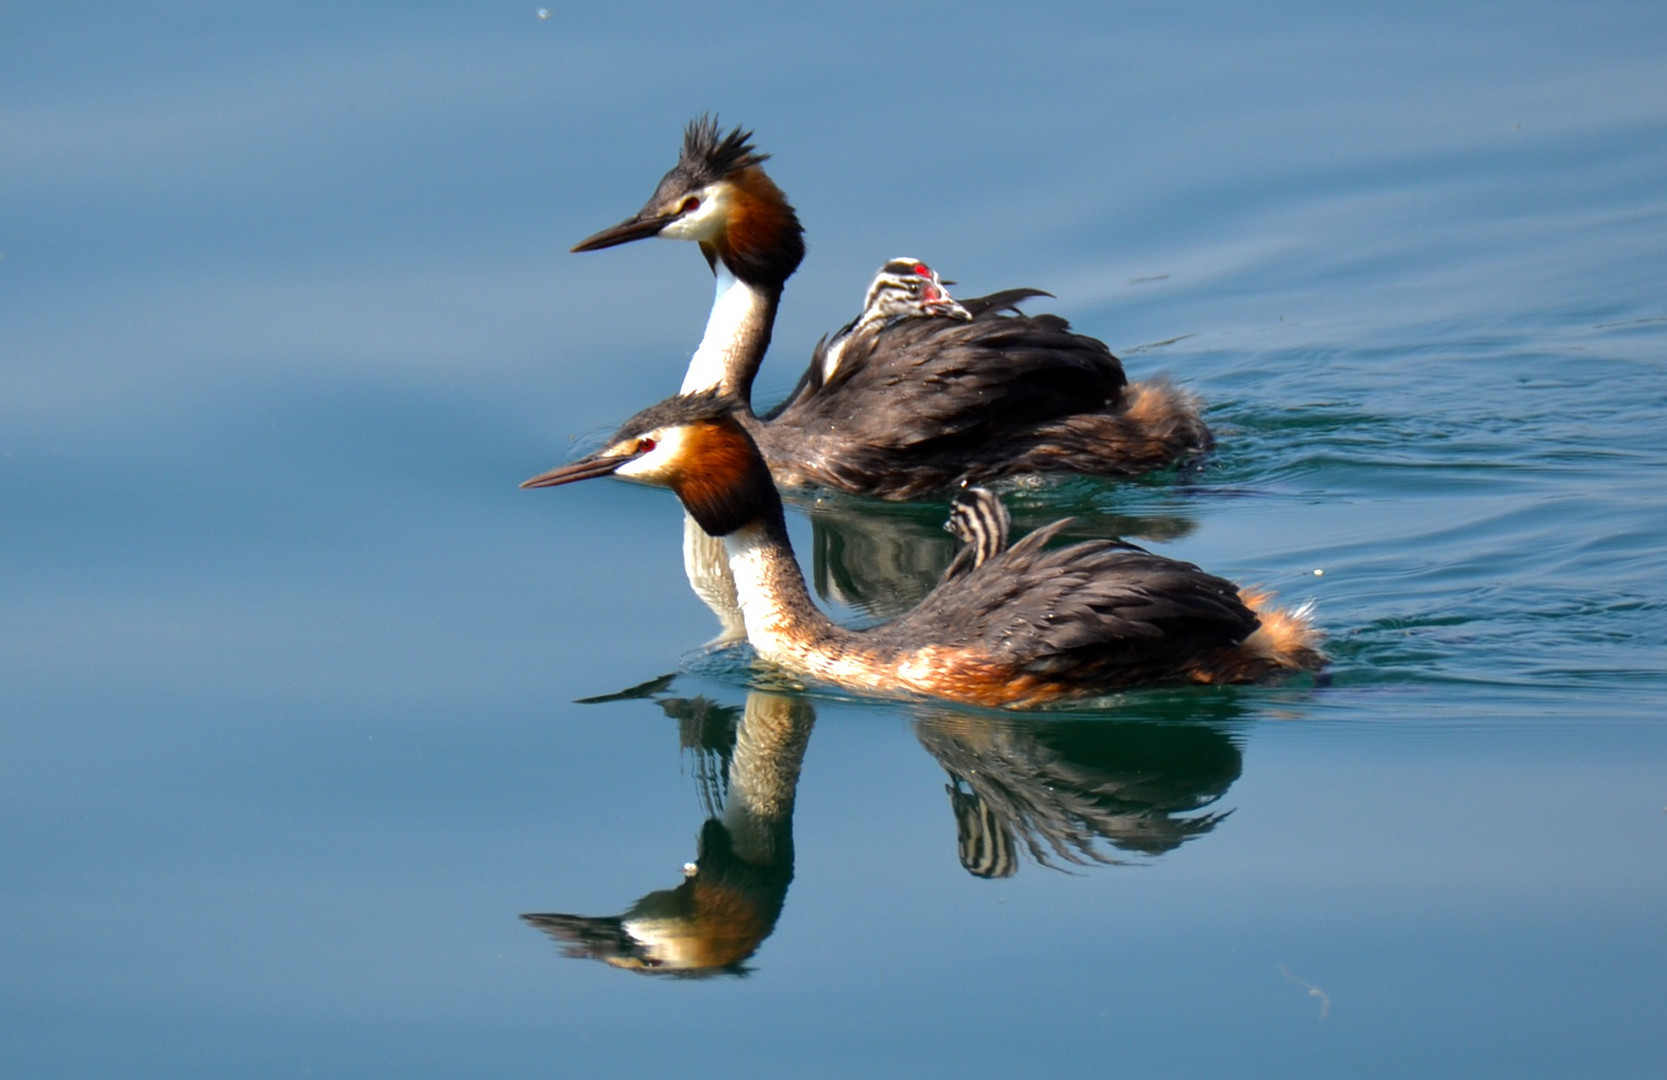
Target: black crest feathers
(709, 155)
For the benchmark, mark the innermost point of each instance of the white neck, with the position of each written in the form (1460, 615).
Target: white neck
(755, 561)
(784, 625)
(738, 311)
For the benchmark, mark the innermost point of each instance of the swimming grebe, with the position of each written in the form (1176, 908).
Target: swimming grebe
(921, 404)
(1030, 625)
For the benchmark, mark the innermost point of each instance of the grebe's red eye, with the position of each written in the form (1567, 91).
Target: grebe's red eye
(923, 270)
(690, 205)
(644, 445)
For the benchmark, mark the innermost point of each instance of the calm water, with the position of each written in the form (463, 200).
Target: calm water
(290, 729)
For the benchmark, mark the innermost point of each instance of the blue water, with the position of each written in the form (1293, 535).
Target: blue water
(289, 670)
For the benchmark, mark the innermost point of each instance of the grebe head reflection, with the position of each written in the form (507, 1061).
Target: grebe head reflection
(732, 895)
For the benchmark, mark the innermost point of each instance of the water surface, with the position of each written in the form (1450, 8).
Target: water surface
(290, 723)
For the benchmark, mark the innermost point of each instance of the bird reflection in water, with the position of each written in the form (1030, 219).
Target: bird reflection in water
(732, 894)
(1074, 791)
(1065, 791)
(1069, 792)
(882, 559)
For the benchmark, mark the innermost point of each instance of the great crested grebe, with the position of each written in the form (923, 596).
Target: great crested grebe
(919, 405)
(1030, 625)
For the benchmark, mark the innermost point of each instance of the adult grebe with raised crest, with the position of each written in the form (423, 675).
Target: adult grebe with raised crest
(918, 405)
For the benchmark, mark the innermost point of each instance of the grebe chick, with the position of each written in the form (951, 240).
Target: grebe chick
(978, 519)
(920, 405)
(903, 288)
(1029, 626)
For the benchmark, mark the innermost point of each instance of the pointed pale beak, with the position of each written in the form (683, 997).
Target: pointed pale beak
(640, 227)
(586, 468)
(944, 305)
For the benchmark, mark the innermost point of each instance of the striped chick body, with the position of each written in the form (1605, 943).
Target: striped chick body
(978, 519)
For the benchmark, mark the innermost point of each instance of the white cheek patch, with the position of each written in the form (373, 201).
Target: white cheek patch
(655, 466)
(706, 223)
(633, 470)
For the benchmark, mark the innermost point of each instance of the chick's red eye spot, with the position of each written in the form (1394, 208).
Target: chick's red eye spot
(923, 270)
